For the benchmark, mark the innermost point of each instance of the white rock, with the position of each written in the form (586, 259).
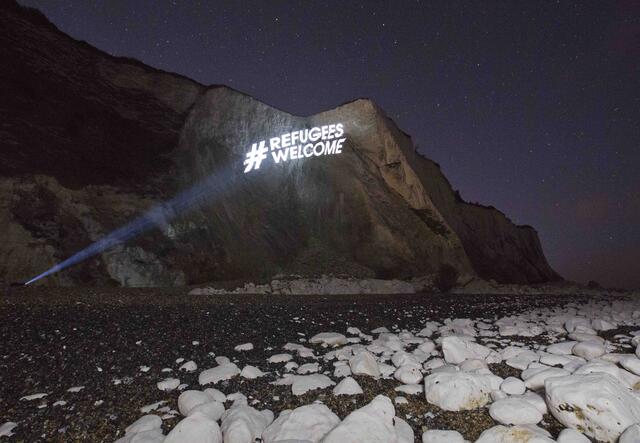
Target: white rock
(153, 436)
(514, 411)
(216, 395)
(225, 371)
(437, 436)
(364, 363)
(457, 350)
(631, 363)
(596, 403)
(474, 365)
(457, 391)
(168, 384)
(306, 423)
(600, 324)
(148, 422)
(371, 423)
(342, 371)
(498, 395)
(523, 360)
(536, 400)
(347, 386)
(6, 430)
(554, 360)
(434, 363)
(190, 399)
(569, 435)
(308, 368)
(630, 435)
(562, 348)
(402, 358)
(244, 347)
(213, 410)
(404, 433)
(196, 428)
(280, 358)
(189, 366)
(573, 324)
(244, 424)
(152, 407)
(222, 360)
(589, 350)
(329, 339)
(514, 434)
(536, 381)
(410, 389)
(251, 372)
(304, 383)
(33, 396)
(513, 386)
(386, 370)
(409, 374)
(627, 378)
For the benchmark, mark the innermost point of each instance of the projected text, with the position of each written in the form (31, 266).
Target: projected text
(304, 143)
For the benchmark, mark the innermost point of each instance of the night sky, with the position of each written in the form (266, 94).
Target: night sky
(532, 107)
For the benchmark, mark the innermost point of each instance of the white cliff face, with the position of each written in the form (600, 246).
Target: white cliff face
(376, 209)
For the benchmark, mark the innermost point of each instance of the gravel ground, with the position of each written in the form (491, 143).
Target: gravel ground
(55, 339)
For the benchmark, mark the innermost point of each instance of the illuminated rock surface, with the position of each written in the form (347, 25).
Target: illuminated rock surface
(310, 423)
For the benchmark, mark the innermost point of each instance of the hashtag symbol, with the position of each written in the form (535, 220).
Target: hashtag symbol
(255, 156)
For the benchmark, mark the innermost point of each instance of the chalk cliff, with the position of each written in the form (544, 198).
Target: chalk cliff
(89, 141)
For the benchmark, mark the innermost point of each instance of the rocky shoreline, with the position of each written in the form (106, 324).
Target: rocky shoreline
(334, 285)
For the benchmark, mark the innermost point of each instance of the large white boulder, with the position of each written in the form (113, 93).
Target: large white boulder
(631, 434)
(404, 432)
(225, 371)
(514, 411)
(598, 404)
(457, 350)
(147, 422)
(409, 374)
(536, 381)
(589, 349)
(244, 424)
(458, 391)
(515, 434)
(308, 423)
(197, 428)
(304, 383)
(190, 399)
(513, 386)
(631, 363)
(437, 436)
(364, 363)
(372, 423)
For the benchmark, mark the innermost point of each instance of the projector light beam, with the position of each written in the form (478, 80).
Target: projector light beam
(160, 215)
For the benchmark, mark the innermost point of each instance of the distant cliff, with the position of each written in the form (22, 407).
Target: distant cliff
(89, 141)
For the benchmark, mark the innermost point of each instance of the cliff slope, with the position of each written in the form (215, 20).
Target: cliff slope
(89, 141)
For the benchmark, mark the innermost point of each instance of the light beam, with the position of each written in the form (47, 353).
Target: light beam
(159, 215)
